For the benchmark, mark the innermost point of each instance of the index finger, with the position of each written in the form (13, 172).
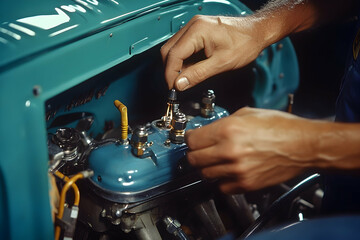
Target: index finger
(171, 42)
(190, 42)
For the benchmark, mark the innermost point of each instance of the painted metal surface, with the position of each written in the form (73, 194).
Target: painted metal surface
(117, 169)
(49, 48)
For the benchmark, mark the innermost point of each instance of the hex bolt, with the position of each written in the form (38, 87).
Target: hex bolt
(167, 142)
(138, 140)
(208, 104)
(179, 121)
(178, 125)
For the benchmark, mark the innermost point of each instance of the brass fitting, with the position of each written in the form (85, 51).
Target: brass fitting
(178, 125)
(138, 141)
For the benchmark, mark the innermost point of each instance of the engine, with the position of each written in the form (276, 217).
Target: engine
(118, 169)
(138, 182)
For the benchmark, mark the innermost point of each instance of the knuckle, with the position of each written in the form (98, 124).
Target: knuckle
(247, 185)
(200, 22)
(188, 140)
(231, 151)
(198, 18)
(205, 173)
(226, 130)
(198, 74)
(164, 50)
(172, 52)
(228, 188)
(224, 190)
(240, 169)
(245, 110)
(191, 158)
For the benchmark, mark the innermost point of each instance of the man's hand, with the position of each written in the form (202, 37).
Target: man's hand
(228, 43)
(253, 148)
(232, 42)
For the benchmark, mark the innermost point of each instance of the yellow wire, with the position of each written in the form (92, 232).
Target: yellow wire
(69, 183)
(124, 118)
(74, 186)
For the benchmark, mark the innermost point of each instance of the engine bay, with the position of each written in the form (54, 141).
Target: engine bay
(88, 115)
(134, 181)
(133, 176)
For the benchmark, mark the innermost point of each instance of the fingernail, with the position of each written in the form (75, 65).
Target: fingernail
(182, 83)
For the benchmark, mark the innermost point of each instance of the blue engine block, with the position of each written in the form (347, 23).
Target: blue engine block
(118, 171)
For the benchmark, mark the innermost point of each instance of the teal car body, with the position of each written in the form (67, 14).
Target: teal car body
(59, 57)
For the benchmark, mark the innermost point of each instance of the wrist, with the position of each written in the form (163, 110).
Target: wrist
(279, 19)
(337, 146)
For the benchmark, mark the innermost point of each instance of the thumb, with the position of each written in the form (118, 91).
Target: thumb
(197, 73)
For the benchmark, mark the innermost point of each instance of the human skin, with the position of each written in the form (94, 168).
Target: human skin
(255, 148)
(232, 42)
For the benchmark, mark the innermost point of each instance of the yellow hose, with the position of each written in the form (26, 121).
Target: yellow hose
(69, 183)
(74, 186)
(124, 119)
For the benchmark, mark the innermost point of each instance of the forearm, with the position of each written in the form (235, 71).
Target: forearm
(337, 146)
(256, 148)
(280, 18)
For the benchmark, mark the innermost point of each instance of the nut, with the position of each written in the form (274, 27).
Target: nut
(167, 142)
(177, 137)
(208, 101)
(207, 112)
(179, 121)
(139, 136)
(208, 97)
(138, 150)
